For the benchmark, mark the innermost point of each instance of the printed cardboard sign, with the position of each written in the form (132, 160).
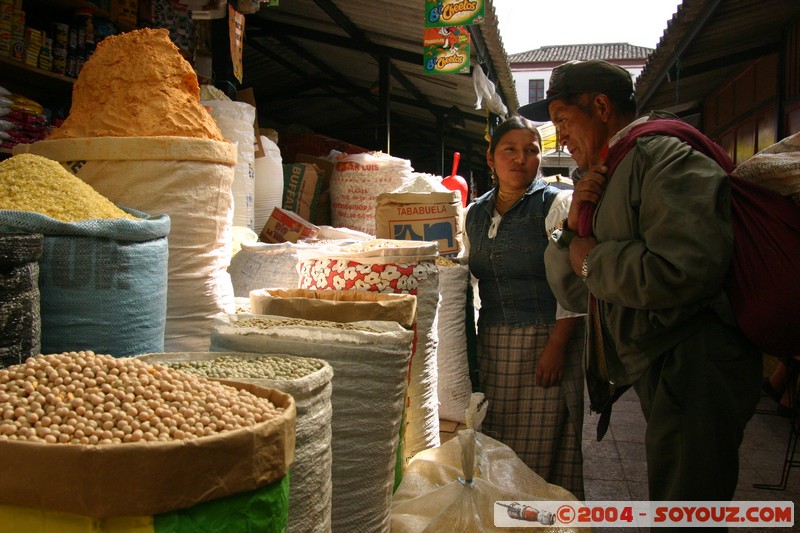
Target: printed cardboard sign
(446, 50)
(432, 217)
(440, 13)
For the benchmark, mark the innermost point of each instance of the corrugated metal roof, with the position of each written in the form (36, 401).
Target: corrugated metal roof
(707, 42)
(568, 52)
(316, 64)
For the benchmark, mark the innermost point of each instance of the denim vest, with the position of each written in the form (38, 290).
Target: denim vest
(510, 267)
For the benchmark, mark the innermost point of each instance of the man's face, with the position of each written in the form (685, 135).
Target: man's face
(580, 129)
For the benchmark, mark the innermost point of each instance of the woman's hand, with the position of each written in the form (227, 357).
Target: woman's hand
(550, 368)
(588, 189)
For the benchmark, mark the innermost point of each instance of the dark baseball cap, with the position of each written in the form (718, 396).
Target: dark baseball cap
(575, 77)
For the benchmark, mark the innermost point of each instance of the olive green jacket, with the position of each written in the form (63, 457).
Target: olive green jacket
(665, 240)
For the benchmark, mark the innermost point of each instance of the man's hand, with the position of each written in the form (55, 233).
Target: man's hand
(588, 189)
(579, 248)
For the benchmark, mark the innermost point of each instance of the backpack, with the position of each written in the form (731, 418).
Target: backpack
(763, 281)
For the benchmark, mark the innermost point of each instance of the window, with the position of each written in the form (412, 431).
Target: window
(535, 90)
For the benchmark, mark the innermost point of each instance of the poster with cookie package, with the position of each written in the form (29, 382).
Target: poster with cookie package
(446, 50)
(440, 13)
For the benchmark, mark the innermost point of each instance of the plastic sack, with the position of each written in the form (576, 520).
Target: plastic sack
(454, 487)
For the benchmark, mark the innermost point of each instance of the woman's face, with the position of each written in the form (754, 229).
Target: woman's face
(516, 159)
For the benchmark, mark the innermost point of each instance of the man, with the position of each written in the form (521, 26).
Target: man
(655, 245)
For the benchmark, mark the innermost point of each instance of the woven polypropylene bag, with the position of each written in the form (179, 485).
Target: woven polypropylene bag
(103, 282)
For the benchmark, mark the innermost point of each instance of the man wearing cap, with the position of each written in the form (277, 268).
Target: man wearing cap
(645, 249)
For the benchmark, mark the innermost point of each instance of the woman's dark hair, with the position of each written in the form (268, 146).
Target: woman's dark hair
(514, 122)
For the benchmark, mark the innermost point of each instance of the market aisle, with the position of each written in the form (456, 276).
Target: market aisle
(615, 468)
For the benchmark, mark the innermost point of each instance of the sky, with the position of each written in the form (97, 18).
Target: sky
(530, 24)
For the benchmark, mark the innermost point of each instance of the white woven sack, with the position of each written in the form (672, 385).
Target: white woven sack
(357, 181)
(454, 385)
(776, 167)
(235, 121)
(186, 178)
(268, 192)
(369, 369)
(400, 267)
(260, 265)
(310, 484)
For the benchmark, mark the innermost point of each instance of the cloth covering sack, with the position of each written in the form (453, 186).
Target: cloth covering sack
(310, 488)
(20, 324)
(151, 477)
(259, 265)
(369, 383)
(762, 281)
(453, 382)
(357, 181)
(103, 282)
(454, 488)
(776, 167)
(394, 267)
(188, 179)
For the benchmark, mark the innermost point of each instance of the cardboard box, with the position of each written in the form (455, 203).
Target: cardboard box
(285, 226)
(429, 216)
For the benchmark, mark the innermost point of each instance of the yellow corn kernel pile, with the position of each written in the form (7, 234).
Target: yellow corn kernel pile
(39, 185)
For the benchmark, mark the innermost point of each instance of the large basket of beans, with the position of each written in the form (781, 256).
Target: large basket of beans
(103, 437)
(308, 381)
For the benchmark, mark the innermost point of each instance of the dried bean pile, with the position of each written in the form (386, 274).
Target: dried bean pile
(87, 398)
(267, 323)
(261, 367)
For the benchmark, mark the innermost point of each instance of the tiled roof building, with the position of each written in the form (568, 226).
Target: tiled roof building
(613, 52)
(531, 72)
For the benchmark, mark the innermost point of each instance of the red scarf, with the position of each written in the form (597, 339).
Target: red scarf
(671, 127)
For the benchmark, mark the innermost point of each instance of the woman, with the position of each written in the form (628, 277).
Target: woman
(529, 355)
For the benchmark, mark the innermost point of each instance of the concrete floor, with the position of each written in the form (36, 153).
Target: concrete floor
(615, 468)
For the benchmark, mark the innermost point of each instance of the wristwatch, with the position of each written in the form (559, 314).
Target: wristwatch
(585, 267)
(563, 235)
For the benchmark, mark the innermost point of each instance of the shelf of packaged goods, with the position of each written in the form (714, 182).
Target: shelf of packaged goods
(12, 69)
(85, 4)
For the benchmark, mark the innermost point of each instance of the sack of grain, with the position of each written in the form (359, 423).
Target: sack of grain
(235, 121)
(20, 325)
(261, 265)
(103, 282)
(395, 267)
(227, 471)
(308, 381)
(357, 181)
(188, 179)
(454, 385)
(369, 360)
